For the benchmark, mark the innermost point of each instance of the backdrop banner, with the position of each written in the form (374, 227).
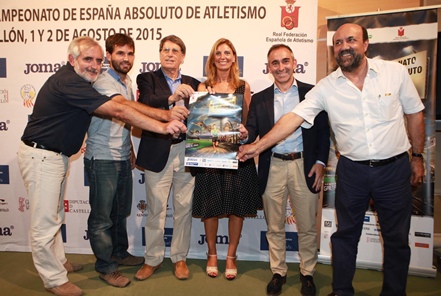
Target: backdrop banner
(34, 37)
(409, 38)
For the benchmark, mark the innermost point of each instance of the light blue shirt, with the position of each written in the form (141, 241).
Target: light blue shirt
(173, 85)
(284, 102)
(109, 138)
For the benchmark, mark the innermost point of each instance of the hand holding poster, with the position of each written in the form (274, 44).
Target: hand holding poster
(213, 136)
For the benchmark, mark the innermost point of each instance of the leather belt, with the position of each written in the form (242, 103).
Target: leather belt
(39, 146)
(288, 156)
(178, 140)
(381, 162)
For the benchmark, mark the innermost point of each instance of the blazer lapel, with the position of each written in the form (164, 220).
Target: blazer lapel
(302, 90)
(163, 80)
(269, 103)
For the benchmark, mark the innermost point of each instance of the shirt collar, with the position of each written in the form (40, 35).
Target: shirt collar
(115, 75)
(277, 90)
(170, 79)
(372, 68)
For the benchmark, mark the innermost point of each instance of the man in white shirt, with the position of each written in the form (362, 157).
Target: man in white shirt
(365, 100)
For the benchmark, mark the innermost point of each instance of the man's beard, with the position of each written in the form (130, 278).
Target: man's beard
(356, 60)
(87, 74)
(118, 69)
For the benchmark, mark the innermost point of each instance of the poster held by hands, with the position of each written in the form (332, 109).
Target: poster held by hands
(213, 136)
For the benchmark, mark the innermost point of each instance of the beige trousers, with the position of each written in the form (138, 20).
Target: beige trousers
(286, 178)
(158, 186)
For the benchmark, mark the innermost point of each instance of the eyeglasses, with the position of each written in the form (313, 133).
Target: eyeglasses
(173, 50)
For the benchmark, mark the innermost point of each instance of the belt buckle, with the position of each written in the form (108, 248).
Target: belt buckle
(286, 156)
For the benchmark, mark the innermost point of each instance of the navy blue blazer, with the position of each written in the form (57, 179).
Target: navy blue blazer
(154, 149)
(316, 140)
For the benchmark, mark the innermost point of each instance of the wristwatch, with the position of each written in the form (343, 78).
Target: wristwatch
(417, 155)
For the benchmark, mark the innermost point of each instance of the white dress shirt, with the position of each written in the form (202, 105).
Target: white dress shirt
(368, 123)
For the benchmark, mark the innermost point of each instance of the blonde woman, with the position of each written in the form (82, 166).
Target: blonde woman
(220, 193)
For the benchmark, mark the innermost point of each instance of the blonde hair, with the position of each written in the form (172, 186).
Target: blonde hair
(210, 67)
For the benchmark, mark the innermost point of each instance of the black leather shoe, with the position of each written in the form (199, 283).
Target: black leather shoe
(274, 287)
(308, 287)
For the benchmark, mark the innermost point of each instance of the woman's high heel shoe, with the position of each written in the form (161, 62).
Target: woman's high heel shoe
(231, 273)
(212, 271)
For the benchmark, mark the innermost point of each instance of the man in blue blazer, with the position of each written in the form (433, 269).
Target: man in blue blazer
(163, 161)
(293, 167)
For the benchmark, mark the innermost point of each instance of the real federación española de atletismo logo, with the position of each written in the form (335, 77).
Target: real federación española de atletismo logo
(290, 15)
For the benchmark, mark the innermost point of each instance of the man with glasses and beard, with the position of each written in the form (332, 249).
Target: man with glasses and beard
(55, 131)
(365, 100)
(109, 160)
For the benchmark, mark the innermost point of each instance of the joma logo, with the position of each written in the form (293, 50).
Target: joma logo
(42, 68)
(6, 231)
(220, 240)
(300, 69)
(4, 125)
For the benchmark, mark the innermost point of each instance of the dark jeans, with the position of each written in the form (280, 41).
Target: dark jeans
(389, 187)
(110, 198)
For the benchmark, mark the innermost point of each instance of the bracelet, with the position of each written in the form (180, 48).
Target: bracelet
(417, 155)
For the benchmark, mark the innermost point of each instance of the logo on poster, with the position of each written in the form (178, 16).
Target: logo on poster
(6, 231)
(3, 68)
(290, 217)
(400, 34)
(290, 15)
(300, 69)
(4, 125)
(375, 240)
(23, 204)
(3, 202)
(77, 206)
(4, 97)
(43, 68)
(142, 207)
(142, 179)
(106, 65)
(292, 243)
(327, 224)
(422, 245)
(149, 66)
(27, 93)
(220, 240)
(4, 169)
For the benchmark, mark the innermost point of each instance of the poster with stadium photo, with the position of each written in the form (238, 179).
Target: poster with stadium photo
(213, 130)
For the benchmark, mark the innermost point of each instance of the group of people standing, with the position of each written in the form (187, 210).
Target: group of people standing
(291, 163)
